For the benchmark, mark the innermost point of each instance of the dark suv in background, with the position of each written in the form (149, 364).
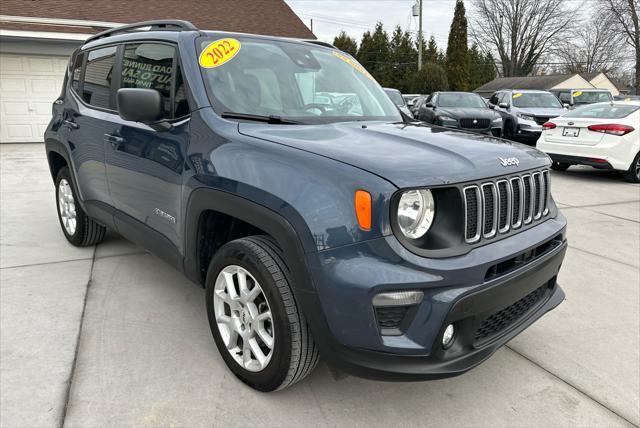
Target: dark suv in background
(460, 110)
(392, 249)
(524, 112)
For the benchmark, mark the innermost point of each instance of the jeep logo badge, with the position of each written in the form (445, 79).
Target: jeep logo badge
(509, 161)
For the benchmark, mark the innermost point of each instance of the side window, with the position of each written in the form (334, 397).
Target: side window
(565, 97)
(149, 66)
(180, 103)
(98, 75)
(76, 71)
(503, 98)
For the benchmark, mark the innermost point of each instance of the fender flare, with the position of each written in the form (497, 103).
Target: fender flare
(52, 145)
(293, 245)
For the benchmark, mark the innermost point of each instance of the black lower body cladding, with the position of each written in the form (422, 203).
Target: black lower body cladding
(504, 289)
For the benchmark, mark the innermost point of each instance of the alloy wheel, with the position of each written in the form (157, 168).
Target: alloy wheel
(243, 318)
(67, 207)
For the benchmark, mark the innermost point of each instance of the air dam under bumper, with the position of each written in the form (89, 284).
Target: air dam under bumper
(524, 294)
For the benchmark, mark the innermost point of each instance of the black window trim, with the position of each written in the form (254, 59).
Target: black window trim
(117, 70)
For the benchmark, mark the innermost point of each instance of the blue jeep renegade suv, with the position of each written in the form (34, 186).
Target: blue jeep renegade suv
(278, 174)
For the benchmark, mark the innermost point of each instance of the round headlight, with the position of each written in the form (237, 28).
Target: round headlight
(416, 210)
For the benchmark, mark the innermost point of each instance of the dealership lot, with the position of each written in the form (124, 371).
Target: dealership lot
(111, 335)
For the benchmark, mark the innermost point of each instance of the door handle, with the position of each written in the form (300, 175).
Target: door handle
(71, 124)
(114, 140)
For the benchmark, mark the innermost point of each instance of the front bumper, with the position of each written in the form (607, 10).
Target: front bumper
(344, 324)
(528, 130)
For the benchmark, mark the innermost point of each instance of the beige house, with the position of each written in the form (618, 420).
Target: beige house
(550, 82)
(602, 81)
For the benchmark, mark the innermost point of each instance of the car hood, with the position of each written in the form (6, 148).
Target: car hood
(407, 155)
(467, 112)
(544, 112)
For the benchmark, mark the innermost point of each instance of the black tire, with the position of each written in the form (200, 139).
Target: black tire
(560, 166)
(87, 231)
(633, 173)
(295, 353)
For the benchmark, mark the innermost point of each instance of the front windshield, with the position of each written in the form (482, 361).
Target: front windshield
(296, 81)
(460, 100)
(396, 97)
(580, 97)
(535, 99)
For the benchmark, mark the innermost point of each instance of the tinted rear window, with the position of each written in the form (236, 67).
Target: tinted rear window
(76, 70)
(603, 111)
(98, 76)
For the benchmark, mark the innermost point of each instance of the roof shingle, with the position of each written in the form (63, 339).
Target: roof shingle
(268, 17)
(528, 82)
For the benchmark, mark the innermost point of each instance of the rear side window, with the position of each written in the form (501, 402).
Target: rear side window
(603, 111)
(98, 76)
(76, 71)
(150, 66)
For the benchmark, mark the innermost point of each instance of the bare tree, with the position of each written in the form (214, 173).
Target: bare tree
(624, 15)
(593, 46)
(519, 32)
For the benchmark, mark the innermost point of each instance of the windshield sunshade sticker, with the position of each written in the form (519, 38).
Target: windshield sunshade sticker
(219, 52)
(577, 93)
(353, 64)
(517, 95)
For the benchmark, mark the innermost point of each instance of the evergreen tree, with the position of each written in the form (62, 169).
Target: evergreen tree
(431, 53)
(431, 78)
(457, 51)
(481, 67)
(346, 44)
(402, 57)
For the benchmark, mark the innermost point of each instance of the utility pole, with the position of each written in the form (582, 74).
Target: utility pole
(418, 13)
(312, 25)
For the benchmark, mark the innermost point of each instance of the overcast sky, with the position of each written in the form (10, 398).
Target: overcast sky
(357, 16)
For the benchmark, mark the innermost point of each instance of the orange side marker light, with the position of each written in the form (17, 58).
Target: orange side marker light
(363, 209)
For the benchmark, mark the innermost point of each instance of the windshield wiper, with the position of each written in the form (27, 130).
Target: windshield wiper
(275, 120)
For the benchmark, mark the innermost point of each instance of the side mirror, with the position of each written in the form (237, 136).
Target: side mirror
(491, 106)
(503, 105)
(566, 105)
(139, 105)
(429, 104)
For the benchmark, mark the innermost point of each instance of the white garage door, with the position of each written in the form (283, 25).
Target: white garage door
(28, 86)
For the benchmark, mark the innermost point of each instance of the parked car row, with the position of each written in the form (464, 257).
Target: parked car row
(573, 126)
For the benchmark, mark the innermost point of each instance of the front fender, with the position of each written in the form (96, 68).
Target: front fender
(313, 193)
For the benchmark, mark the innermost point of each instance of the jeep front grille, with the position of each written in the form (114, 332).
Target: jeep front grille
(498, 206)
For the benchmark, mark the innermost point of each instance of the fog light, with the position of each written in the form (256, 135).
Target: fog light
(447, 337)
(398, 298)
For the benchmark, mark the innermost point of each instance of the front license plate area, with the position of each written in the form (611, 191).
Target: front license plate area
(570, 132)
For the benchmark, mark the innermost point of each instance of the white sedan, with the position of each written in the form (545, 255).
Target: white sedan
(603, 135)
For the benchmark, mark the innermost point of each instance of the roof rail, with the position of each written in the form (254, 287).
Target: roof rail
(162, 24)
